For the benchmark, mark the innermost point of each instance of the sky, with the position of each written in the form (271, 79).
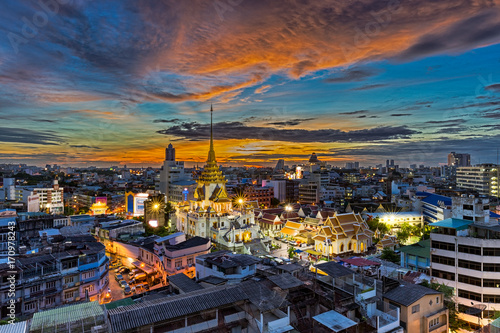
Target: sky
(87, 82)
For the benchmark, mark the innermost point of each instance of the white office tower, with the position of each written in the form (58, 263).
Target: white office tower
(172, 171)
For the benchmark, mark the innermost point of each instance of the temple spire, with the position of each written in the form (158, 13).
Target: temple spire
(211, 152)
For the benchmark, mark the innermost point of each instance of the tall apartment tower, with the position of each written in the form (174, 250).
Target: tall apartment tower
(171, 171)
(483, 178)
(465, 255)
(458, 160)
(170, 153)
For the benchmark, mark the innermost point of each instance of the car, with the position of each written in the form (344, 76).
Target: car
(123, 270)
(146, 286)
(139, 288)
(140, 277)
(118, 277)
(109, 290)
(123, 283)
(134, 272)
(127, 290)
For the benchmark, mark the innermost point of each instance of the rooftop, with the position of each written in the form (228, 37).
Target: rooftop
(334, 321)
(407, 294)
(226, 259)
(453, 223)
(335, 269)
(421, 249)
(184, 283)
(155, 311)
(285, 281)
(43, 320)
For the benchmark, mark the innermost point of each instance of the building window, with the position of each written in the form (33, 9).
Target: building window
(90, 288)
(69, 279)
(178, 263)
(190, 261)
(443, 246)
(51, 284)
(469, 264)
(469, 295)
(34, 289)
(433, 322)
(491, 298)
(437, 300)
(491, 283)
(30, 306)
(415, 308)
(88, 275)
(488, 267)
(469, 249)
(68, 294)
(50, 300)
(443, 275)
(169, 263)
(491, 251)
(443, 260)
(469, 280)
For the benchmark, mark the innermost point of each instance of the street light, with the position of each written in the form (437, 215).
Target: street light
(288, 208)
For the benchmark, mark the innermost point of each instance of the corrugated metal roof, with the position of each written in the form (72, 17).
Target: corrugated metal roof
(66, 314)
(146, 313)
(19, 327)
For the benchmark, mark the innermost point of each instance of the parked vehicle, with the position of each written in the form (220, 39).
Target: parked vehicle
(118, 277)
(123, 283)
(133, 272)
(123, 270)
(146, 286)
(127, 290)
(140, 277)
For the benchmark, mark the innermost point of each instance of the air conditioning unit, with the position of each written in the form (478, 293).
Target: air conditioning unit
(433, 249)
(98, 329)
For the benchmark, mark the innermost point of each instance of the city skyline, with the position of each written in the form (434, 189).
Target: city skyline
(114, 83)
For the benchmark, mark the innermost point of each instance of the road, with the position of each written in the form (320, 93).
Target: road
(283, 251)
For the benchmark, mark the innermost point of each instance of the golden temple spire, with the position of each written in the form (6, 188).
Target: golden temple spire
(211, 152)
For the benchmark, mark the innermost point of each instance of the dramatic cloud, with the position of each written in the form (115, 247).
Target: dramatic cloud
(175, 120)
(22, 135)
(479, 30)
(493, 87)
(237, 130)
(293, 122)
(355, 112)
(400, 114)
(351, 75)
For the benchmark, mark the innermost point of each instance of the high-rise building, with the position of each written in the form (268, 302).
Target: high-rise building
(458, 160)
(172, 173)
(481, 178)
(280, 165)
(170, 153)
(465, 252)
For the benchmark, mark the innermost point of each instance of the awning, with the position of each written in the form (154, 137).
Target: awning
(298, 251)
(144, 267)
(314, 253)
(360, 262)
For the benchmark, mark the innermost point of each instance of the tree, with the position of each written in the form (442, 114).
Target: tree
(274, 202)
(390, 255)
(291, 252)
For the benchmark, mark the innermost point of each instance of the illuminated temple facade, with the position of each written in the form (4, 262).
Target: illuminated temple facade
(211, 214)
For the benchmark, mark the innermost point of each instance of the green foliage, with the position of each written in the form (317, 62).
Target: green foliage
(406, 231)
(291, 252)
(274, 202)
(390, 255)
(375, 224)
(159, 231)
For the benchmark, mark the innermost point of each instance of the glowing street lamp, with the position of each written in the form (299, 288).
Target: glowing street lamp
(288, 208)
